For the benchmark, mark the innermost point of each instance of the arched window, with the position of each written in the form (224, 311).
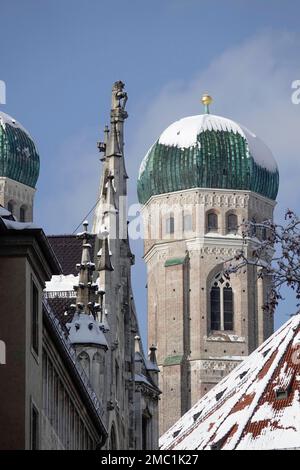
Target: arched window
(170, 225)
(84, 360)
(215, 310)
(22, 214)
(253, 229)
(97, 378)
(232, 223)
(10, 207)
(187, 222)
(221, 305)
(212, 222)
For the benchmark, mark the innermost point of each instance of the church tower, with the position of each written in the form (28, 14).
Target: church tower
(198, 183)
(19, 169)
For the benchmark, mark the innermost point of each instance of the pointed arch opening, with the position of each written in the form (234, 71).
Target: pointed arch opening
(11, 206)
(170, 224)
(221, 305)
(231, 223)
(211, 221)
(84, 360)
(23, 213)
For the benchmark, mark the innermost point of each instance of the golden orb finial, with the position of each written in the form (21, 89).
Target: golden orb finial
(206, 100)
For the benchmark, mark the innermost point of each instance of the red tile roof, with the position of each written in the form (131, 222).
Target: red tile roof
(257, 406)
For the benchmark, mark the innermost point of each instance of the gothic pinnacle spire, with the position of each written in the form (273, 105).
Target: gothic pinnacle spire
(104, 255)
(85, 289)
(84, 327)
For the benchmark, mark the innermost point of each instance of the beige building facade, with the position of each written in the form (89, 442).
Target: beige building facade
(196, 186)
(194, 350)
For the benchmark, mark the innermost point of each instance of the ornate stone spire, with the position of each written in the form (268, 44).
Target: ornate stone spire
(84, 327)
(85, 289)
(113, 182)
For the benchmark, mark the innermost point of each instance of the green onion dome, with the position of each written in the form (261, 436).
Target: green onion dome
(19, 159)
(207, 151)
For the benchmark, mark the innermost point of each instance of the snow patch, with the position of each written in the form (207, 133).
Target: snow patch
(184, 134)
(84, 329)
(62, 283)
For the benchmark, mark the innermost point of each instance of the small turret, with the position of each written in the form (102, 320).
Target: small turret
(85, 328)
(152, 366)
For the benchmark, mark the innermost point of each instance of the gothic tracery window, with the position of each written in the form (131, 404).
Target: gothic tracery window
(232, 223)
(212, 222)
(221, 305)
(84, 360)
(10, 207)
(253, 227)
(170, 225)
(23, 214)
(187, 222)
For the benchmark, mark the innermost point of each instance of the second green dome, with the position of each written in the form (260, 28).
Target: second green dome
(207, 151)
(19, 159)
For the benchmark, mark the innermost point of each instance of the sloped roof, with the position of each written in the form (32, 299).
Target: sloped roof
(68, 249)
(256, 407)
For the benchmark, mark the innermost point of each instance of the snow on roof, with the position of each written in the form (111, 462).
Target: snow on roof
(257, 406)
(4, 212)
(184, 133)
(84, 329)
(14, 225)
(62, 283)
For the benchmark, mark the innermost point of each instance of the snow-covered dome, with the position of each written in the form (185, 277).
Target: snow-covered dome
(207, 151)
(19, 159)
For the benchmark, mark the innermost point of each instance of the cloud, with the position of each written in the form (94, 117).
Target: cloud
(250, 83)
(74, 188)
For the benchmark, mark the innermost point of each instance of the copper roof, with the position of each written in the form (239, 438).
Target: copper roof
(256, 407)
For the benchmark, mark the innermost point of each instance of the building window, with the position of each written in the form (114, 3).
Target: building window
(253, 228)
(23, 214)
(221, 305)
(232, 223)
(187, 222)
(215, 310)
(98, 375)
(10, 207)
(34, 318)
(228, 307)
(212, 222)
(170, 225)
(84, 360)
(34, 428)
